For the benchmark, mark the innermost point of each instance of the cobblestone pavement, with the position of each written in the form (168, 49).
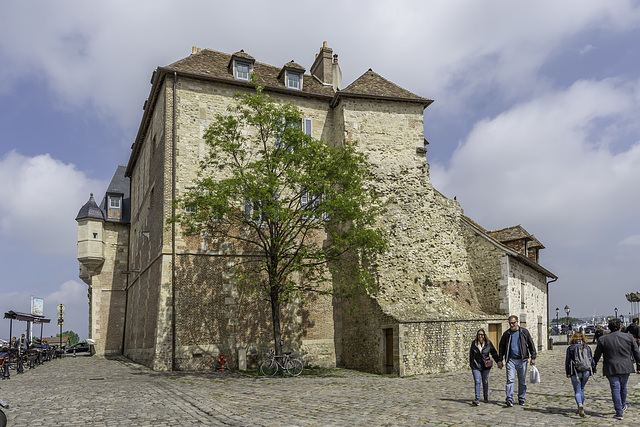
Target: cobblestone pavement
(93, 391)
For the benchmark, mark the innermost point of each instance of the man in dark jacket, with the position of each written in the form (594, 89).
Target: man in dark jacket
(516, 346)
(617, 348)
(634, 329)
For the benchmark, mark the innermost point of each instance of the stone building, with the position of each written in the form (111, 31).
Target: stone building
(170, 302)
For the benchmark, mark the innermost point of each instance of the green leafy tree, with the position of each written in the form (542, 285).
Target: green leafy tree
(73, 337)
(301, 206)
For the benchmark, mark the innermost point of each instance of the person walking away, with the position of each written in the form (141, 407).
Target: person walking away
(598, 333)
(480, 354)
(515, 348)
(634, 330)
(617, 350)
(579, 366)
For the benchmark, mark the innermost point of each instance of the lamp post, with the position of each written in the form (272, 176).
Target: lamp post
(567, 310)
(616, 310)
(557, 319)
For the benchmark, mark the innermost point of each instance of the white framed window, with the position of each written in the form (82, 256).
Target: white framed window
(190, 208)
(115, 202)
(294, 80)
(253, 210)
(114, 206)
(311, 202)
(307, 126)
(242, 70)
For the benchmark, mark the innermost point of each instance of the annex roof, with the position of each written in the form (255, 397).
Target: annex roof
(517, 232)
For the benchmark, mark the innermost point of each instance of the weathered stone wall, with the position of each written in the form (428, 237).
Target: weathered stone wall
(527, 296)
(437, 282)
(106, 290)
(485, 266)
(436, 346)
(150, 254)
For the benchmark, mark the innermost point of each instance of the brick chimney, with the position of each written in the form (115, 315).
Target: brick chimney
(326, 69)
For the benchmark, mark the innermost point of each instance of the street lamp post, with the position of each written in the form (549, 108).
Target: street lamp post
(616, 310)
(557, 319)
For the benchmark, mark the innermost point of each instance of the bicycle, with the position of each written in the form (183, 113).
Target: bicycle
(272, 364)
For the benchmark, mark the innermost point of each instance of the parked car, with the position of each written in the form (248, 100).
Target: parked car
(79, 347)
(590, 329)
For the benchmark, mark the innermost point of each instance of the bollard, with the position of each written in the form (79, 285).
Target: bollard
(5, 365)
(31, 361)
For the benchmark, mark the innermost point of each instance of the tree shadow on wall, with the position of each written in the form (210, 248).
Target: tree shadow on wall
(216, 316)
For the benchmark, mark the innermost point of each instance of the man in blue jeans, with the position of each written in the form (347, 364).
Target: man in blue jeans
(618, 348)
(516, 346)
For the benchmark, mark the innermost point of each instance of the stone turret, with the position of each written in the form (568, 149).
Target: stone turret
(90, 238)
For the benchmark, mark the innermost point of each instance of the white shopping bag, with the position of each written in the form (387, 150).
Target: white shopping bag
(534, 375)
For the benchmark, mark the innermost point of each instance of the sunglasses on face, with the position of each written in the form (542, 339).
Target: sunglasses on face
(512, 323)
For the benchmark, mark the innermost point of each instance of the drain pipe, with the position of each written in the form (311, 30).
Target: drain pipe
(548, 319)
(173, 226)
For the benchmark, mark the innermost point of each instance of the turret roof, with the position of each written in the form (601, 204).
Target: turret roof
(90, 210)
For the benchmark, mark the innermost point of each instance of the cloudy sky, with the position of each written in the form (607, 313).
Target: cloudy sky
(535, 119)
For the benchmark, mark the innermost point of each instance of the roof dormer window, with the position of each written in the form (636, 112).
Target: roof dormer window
(294, 80)
(241, 65)
(291, 75)
(114, 206)
(242, 70)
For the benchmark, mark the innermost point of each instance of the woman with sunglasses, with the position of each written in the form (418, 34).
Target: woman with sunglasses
(480, 362)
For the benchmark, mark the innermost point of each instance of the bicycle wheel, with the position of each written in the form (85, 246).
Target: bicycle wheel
(294, 367)
(269, 367)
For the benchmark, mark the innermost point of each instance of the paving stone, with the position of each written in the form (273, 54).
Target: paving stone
(94, 391)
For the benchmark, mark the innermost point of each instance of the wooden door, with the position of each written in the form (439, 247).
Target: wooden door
(495, 332)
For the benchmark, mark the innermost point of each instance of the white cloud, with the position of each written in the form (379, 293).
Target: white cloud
(41, 197)
(545, 162)
(101, 54)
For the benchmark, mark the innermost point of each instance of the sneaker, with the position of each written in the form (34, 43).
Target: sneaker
(624, 408)
(617, 417)
(476, 402)
(509, 403)
(521, 402)
(486, 399)
(581, 411)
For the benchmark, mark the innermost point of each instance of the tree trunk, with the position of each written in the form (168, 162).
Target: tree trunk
(275, 320)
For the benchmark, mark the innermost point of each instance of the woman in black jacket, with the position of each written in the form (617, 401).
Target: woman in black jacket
(579, 375)
(480, 363)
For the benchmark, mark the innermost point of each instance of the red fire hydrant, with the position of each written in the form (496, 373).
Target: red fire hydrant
(222, 362)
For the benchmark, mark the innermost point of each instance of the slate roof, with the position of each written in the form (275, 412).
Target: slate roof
(371, 84)
(90, 210)
(119, 185)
